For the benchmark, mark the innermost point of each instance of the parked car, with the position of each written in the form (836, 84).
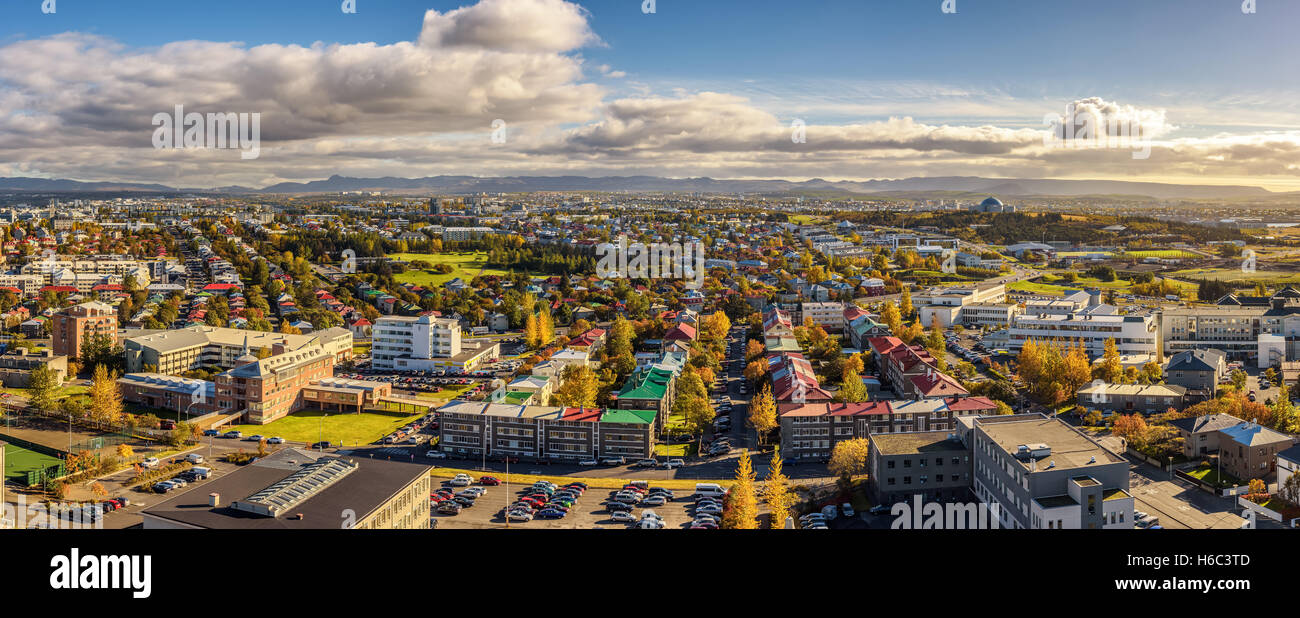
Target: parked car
(589, 462)
(461, 480)
(320, 445)
(436, 455)
(490, 481)
(275, 440)
(232, 434)
(150, 462)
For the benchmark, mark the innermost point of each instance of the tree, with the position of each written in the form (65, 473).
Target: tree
(755, 370)
(532, 332)
(848, 458)
(741, 510)
(1290, 489)
(905, 303)
(43, 386)
(1129, 426)
(778, 494)
(754, 350)
(852, 390)
(762, 413)
(578, 389)
(288, 329)
(1110, 368)
(125, 451)
(105, 398)
(1239, 379)
(890, 317)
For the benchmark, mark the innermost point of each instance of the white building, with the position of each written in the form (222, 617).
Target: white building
(1133, 334)
(414, 343)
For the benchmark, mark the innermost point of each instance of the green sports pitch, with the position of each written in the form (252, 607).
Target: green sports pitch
(19, 461)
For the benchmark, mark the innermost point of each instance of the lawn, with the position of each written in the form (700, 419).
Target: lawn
(686, 449)
(1207, 473)
(63, 392)
(344, 428)
(466, 266)
(1234, 275)
(594, 483)
(19, 461)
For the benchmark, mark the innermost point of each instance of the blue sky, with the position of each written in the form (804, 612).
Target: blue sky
(1004, 63)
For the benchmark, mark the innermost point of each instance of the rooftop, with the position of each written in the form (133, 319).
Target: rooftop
(915, 443)
(1070, 450)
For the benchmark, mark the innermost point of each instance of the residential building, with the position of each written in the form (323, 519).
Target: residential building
(271, 388)
(1198, 371)
(829, 315)
(810, 431)
(425, 343)
(935, 465)
(1148, 398)
(1246, 450)
(478, 429)
(174, 352)
(73, 326)
(171, 393)
(1043, 474)
(16, 367)
(296, 489)
(1133, 334)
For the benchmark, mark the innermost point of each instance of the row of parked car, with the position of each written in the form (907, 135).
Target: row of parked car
(239, 435)
(544, 500)
(193, 475)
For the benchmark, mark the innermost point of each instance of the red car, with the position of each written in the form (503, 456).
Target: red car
(490, 481)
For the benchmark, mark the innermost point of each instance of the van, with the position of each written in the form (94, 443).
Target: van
(711, 490)
(194, 458)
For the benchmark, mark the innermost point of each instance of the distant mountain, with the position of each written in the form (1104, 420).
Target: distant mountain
(1014, 187)
(57, 185)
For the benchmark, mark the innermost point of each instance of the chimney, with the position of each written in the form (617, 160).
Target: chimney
(214, 499)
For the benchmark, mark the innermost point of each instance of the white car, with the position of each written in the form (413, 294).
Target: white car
(847, 508)
(150, 462)
(436, 455)
(589, 462)
(275, 440)
(673, 463)
(461, 480)
(519, 516)
(623, 516)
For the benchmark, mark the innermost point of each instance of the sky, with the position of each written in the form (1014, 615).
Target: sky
(1195, 91)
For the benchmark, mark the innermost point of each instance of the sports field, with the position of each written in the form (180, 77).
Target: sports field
(19, 461)
(338, 427)
(464, 265)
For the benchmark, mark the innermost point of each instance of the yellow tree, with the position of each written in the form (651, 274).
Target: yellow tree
(531, 332)
(545, 328)
(1110, 369)
(890, 317)
(777, 491)
(105, 399)
(742, 504)
(762, 413)
(579, 389)
(848, 458)
(905, 303)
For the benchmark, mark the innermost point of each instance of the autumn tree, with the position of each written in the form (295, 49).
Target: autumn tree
(105, 398)
(578, 389)
(848, 458)
(43, 388)
(762, 413)
(777, 491)
(889, 316)
(905, 303)
(741, 505)
(754, 350)
(1129, 426)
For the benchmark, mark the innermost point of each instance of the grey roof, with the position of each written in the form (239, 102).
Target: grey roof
(373, 483)
(1291, 454)
(1254, 434)
(1208, 422)
(1196, 360)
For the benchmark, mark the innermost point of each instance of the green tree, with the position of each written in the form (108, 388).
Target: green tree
(43, 386)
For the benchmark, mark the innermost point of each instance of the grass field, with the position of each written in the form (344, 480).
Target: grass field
(19, 461)
(1160, 253)
(594, 483)
(63, 392)
(338, 427)
(464, 265)
(1234, 275)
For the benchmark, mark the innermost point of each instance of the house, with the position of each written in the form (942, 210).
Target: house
(1149, 398)
(1246, 450)
(1199, 371)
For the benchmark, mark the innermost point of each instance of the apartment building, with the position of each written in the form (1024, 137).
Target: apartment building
(344, 395)
(478, 429)
(16, 367)
(1127, 398)
(73, 326)
(297, 489)
(425, 343)
(1043, 474)
(810, 431)
(271, 388)
(935, 465)
(1133, 334)
(171, 393)
(1246, 450)
(652, 388)
(829, 316)
(175, 352)
(1199, 371)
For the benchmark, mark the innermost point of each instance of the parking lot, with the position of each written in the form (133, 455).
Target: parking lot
(587, 513)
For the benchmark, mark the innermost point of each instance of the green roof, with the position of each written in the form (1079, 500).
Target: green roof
(631, 417)
(516, 397)
(649, 383)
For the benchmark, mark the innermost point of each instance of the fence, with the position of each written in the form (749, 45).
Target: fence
(1163, 465)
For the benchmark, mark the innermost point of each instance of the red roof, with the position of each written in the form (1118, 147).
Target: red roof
(220, 287)
(59, 288)
(582, 415)
(681, 332)
(967, 404)
(937, 384)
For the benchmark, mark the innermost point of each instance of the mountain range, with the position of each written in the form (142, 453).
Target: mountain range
(1017, 187)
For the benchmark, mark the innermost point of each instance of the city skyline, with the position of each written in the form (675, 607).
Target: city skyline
(754, 90)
